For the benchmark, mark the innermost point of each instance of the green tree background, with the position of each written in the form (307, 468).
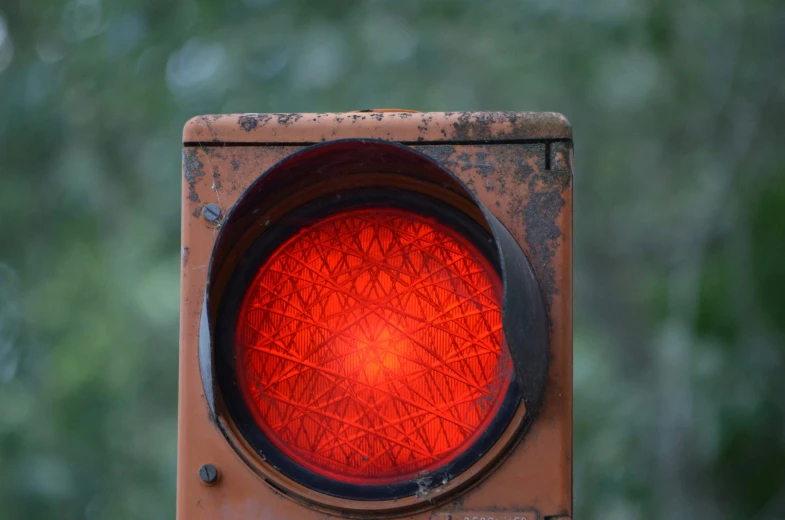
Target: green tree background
(679, 117)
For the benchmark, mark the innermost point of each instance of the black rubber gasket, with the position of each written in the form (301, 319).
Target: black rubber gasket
(243, 275)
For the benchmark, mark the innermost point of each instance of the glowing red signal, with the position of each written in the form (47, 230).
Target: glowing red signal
(369, 346)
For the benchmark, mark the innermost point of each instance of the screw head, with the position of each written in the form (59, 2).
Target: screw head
(211, 213)
(209, 474)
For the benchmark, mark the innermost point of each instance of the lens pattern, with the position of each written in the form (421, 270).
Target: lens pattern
(369, 346)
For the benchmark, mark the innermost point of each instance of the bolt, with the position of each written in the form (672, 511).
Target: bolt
(209, 474)
(211, 213)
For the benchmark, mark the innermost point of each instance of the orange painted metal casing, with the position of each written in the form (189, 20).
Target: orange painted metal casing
(520, 167)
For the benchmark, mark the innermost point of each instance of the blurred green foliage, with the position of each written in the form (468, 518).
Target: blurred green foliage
(678, 110)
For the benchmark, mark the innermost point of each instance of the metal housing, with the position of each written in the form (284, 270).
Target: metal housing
(511, 170)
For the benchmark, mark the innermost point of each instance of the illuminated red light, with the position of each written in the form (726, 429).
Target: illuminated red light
(369, 346)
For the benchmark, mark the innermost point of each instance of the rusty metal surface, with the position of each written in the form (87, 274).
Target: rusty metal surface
(513, 178)
(395, 126)
(485, 515)
(528, 186)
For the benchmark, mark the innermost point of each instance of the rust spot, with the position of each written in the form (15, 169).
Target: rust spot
(495, 125)
(561, 156)
(235, 164)
(248, 122)
(186, 252)
(465, 160)
(540, 213)
(193, 171)
(501, 167)
(524, 169)
(481, 163)
(425, 121)
(439, 153)
(287, 119)
(538, 209)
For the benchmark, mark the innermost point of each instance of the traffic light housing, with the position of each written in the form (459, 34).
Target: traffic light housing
(376, 316)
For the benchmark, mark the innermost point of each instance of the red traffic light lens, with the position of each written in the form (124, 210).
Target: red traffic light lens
(369, 346)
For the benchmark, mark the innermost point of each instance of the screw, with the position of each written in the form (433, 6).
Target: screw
(211, 213)
(209, 474)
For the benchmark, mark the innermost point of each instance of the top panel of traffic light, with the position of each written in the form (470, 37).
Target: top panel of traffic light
(402, 127)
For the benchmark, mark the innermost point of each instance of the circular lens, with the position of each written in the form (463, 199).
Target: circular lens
(369, 346)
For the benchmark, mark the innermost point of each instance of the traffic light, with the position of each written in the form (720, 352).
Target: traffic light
(376, 316)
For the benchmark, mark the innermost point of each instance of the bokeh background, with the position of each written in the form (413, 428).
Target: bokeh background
(679, 117)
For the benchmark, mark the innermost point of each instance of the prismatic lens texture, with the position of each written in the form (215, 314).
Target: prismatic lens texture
(370, 347)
